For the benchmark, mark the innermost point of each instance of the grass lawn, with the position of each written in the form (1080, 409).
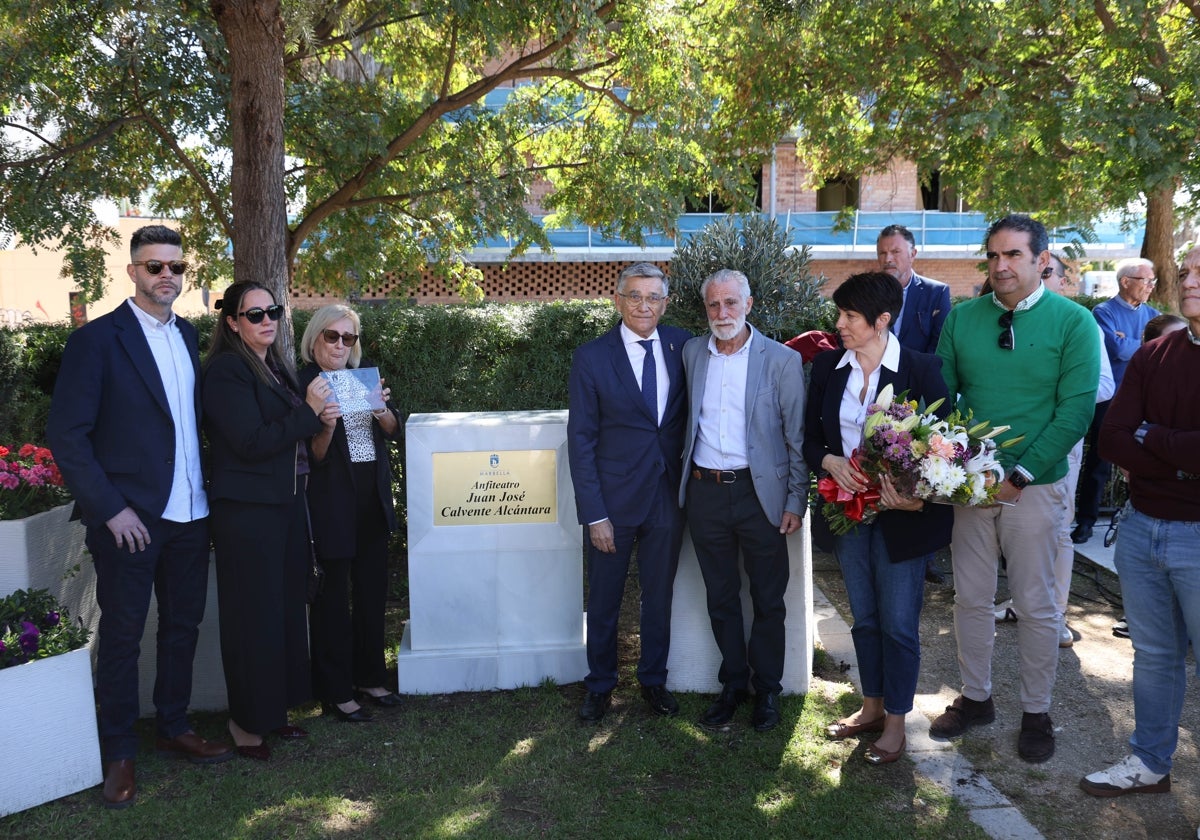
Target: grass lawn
(516, 764)
(519, 764)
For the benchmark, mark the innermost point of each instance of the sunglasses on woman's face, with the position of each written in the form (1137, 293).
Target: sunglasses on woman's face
(255, 314)
(155, 267)
(332, 336)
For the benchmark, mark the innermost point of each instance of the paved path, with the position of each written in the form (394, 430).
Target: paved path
(937, 761)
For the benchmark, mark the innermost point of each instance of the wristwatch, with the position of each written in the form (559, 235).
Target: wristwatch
(1017, 479)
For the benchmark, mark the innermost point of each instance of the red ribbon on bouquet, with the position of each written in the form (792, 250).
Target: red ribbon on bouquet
(854, 505)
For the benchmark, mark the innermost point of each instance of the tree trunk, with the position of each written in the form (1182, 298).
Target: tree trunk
(254, 35)
(1159, 244)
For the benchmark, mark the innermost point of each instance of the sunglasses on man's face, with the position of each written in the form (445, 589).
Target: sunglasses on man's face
(332, 336)
(255, 314)
(155, 267)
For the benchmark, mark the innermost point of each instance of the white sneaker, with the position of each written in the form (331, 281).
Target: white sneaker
(1065, 637)
(1004, 611)
(1129, 775)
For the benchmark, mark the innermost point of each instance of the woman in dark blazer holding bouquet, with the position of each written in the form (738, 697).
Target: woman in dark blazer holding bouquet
(350, 496)
(883, 563)
(258, 420)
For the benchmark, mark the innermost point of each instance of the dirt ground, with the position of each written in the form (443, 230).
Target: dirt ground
(1092, 714)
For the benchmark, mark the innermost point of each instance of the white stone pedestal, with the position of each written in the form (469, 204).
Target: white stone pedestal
(695, 660)
(495, 586)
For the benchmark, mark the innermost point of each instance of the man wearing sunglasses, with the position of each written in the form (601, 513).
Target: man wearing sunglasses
(1028, 359)
(1122, 319)
(124, 428)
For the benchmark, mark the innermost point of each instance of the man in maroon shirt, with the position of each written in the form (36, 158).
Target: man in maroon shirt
(1152, 429)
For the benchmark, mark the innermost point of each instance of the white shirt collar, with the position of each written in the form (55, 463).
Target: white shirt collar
(890, 360)
(148, 320)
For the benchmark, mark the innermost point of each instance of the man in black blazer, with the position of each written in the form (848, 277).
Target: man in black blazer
(124, 428)
(926, 302)
(624, 439)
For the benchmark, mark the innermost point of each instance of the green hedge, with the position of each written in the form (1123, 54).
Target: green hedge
(437, 358)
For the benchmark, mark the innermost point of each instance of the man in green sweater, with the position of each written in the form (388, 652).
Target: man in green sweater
(1028, 359)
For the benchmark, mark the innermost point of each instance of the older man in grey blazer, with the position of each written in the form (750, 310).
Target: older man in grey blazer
(745, 486)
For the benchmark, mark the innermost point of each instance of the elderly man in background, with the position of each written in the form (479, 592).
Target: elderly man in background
(1122, 319)
(745, 486)
(1152, 430)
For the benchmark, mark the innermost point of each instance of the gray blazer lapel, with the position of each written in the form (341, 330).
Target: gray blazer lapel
(754, 374)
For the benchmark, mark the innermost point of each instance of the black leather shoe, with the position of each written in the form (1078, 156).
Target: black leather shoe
(359, 715)
(1081, 534)
(594, 706)
(661, 701)
(766, 711)
(389, 700)
(722, 709)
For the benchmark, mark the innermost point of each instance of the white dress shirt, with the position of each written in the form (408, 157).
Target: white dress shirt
(637, 356)
(852, 414)
(721, 432)
(187, 501)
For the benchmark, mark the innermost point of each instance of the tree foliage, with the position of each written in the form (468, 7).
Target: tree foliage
(332, 141)
(1067, 109)
(787, 298)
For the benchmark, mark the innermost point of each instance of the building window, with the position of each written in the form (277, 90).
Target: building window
(838, 194)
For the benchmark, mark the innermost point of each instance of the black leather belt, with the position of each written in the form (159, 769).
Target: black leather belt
(720, 476)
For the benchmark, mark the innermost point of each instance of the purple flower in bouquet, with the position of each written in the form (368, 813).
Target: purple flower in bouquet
(51, 618)
(29, 639)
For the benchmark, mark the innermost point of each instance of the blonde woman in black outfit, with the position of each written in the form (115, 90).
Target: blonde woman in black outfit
(350, 499)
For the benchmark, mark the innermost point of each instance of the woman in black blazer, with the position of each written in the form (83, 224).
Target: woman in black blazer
(257, 419)
(884, 562)
(350, 497)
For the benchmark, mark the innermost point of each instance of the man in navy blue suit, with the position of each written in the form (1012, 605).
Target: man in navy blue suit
(926, 302)
(624, 439)
(124, 428)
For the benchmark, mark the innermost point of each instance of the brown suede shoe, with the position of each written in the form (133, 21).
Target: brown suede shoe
(120, 790)
(961, 715)
(195, 749)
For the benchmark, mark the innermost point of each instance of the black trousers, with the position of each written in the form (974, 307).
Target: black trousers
(1094, 474)
(726, 520)
(175, 566)
(262, 573)
(346, 621)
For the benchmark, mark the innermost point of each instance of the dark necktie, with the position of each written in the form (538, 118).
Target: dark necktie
(650, 379)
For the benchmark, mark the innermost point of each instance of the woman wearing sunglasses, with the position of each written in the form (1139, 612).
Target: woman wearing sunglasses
(350, 497)
(258, 420)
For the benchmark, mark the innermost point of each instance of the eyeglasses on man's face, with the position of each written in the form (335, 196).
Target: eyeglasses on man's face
(256, 314)
(155, 267)
(333, 336)
(637, 299)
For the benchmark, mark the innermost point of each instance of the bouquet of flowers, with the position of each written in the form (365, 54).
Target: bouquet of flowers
(34, 626)
(29, 482)
(952, 460)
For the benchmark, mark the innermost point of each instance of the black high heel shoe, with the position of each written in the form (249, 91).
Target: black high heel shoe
(389, 700)
(359, 715)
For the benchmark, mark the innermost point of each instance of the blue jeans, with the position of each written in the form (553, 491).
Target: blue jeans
(886, 600)
(1158, 561)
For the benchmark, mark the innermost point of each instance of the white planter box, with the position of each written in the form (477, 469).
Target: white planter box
(41, 552)
(48, 731)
